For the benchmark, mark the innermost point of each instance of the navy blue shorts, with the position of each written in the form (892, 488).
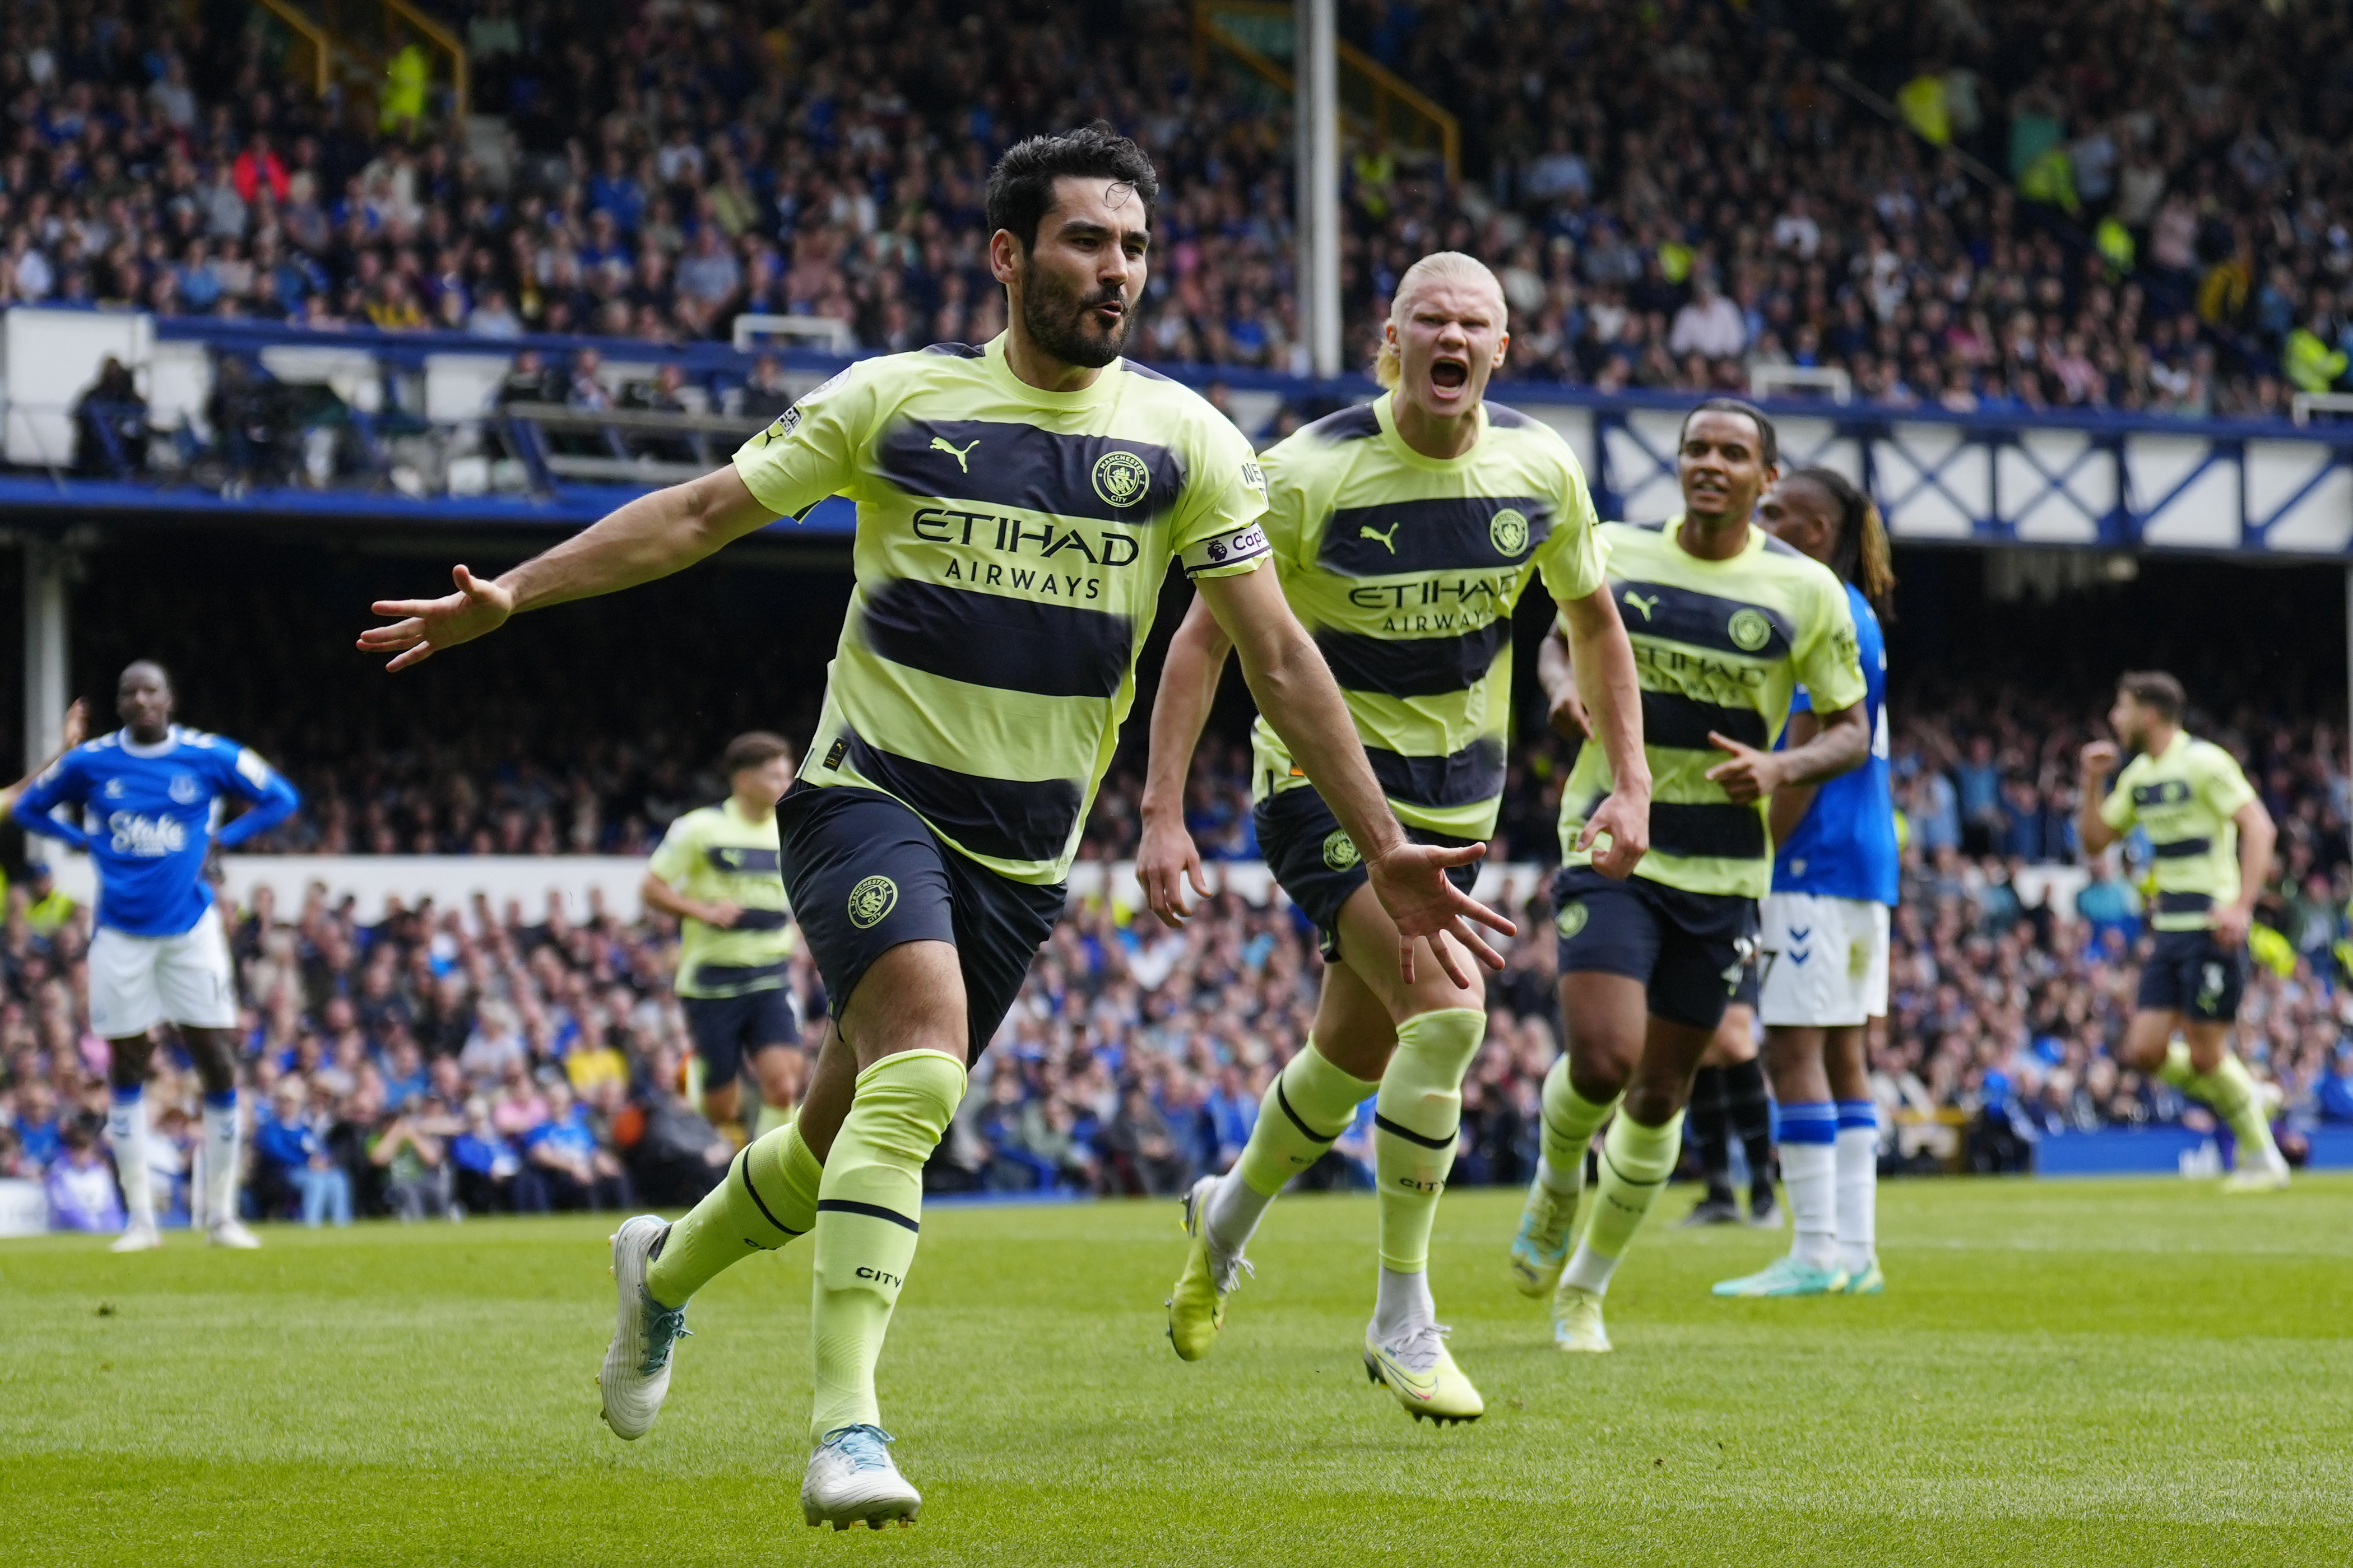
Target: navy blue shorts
(728, 1028)
(1312, 857)
(865, 874)
(1689, 950)
(2188, 972)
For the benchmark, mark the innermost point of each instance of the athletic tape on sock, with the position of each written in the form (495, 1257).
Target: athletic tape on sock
(1415, 1123)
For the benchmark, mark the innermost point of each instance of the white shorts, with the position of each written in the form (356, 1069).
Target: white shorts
(138, 982)
(1825, 961)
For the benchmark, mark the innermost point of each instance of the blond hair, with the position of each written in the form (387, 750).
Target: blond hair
(1438, 266)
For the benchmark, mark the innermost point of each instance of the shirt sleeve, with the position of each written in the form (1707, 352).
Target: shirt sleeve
(242, 773)
(1574, 560)
(811, 451)
(674, 856)
(1217, 531)
(2117, 811)
(60, 783)
(1830, 665)
(2221, 783)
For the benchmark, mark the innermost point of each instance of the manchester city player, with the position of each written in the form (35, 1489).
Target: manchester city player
(1403, 532)
(1824, 940)
(1020, 504)
(148, 797)
(1726, 621)
(2212, 842)
(716, 870)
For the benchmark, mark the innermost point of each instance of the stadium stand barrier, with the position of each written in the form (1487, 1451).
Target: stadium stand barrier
(558, 430)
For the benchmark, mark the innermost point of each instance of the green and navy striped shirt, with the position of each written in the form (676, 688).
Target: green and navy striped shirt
(1405, 569)
(1011, 545)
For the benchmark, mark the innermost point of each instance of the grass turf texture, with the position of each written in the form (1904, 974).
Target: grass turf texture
(2121, 1373)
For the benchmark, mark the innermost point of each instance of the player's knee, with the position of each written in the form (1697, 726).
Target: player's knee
(215, 1057)
(127, 1060)
(1599, 1074)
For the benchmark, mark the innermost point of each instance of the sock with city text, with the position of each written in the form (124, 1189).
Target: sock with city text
(1414, 1125)
(1635, 1161)
(126, 1136)
(767, 1197)
(1858, 1184)
(870, 1207)
(1810, 1167)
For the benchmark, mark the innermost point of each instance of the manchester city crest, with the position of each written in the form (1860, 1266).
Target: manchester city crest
(870, 900)
(1509, 531)
(1340, 850)
(1122, 479)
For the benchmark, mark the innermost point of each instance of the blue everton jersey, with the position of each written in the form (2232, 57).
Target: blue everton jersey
(1845, 847)
(147, 816)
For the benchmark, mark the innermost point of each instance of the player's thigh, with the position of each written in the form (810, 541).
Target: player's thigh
(1607, 936)
(194, 977)
(1846, 1061)
(870, 885)
(124, 998)
(1368, 950)
(2147, 1035)
(1352, 1031)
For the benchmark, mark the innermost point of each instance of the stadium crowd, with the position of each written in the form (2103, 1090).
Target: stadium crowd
(446, 1060)
(1671, 193)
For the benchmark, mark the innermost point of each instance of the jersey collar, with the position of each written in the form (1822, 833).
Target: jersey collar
(164, 747)
(993, 358)
(1385, 413)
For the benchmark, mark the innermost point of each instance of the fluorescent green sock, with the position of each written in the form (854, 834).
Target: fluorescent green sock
(1306, 1097)
(2177, 1070)
(772, 1118)
(1635, 1161)
(1414, 1126)
(1310, 1103)
(1570, 1122)
(2230, 1090)
(868, 1209)
(768, 1197)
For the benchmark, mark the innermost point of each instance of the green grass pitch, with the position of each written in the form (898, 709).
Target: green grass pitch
(2129, 1372)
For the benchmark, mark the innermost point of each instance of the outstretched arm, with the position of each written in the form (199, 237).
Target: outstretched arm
(72, 733)
(1612, 700)
(651, 536)
(1167, 859)
(1297, 694)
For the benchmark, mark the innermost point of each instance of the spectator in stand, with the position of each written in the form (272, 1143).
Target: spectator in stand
(288, 1145)
(81, 1184)
(485, 1164)
(579, 1172)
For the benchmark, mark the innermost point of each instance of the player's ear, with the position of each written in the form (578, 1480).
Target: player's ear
(1503, 348)
(1005, 256)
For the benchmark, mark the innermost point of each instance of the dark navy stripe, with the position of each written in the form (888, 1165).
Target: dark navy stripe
(1144, 371)
(1006, 819)
(956, 351)
(872, 1211)
(1502, 419)
(729, 859)
(1410, 1136)
(990, 464)
(1414, 667)
(1655, 1180)
(743, 1163)
(1726, 831)
(2184, 903)
(1358, 423)
(1472, 774)
(1312, 1135)
(1701, 620)
(1008, 645)
(760, 919)
(1670, 719)
(1453, 533)
(718, 974)
(2161, 793)
(2182, 849)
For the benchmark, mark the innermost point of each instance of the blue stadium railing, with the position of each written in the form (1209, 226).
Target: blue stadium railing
(418, 449)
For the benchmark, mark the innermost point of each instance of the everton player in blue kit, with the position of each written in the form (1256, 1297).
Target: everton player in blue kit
(1824, 938)
(147, 797)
